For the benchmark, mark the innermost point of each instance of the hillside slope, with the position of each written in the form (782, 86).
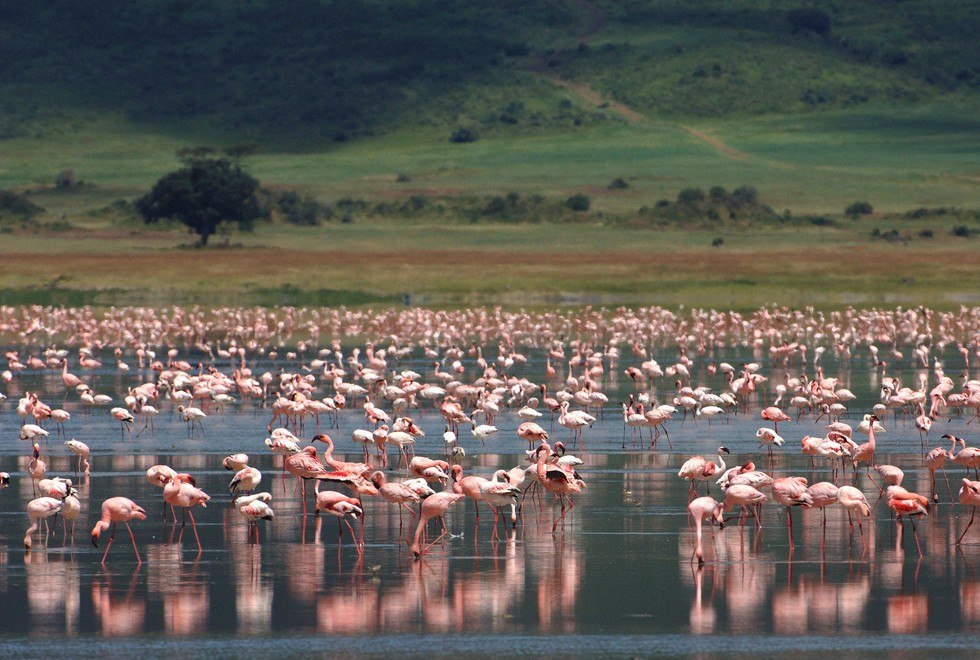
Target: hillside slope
(304, 71)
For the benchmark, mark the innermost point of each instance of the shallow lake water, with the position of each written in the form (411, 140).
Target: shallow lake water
(615, 579)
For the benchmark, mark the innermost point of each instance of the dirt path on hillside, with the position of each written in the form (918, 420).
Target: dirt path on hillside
(716, 143)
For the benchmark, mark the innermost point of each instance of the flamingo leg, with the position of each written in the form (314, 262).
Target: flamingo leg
(915, 533)
(133, 539)
(112, 536)
(194, 529)
(972, 516)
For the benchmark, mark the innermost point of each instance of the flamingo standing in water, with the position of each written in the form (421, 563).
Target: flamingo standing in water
(705, 508)
(935, 460)
(340, 506)
(557, 479)
(434, 506)
(969, 495)
(81, 450)
(697, 469)
(775, 415)
(40, 509)
(253, 508)
(904, 503)
(181, 491)
(853, 500)
(118, 510)
(790, 492)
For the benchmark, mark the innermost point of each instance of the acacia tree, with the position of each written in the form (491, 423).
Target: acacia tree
(202, 195)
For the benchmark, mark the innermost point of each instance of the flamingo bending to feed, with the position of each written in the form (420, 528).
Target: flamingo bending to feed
(81, 450)
(118, 510)
(340, 506)
(853, 500)
(905, 503)
(40, 509)
(705, 508)
(969, 495)
(790, 492)
(556, 479)
(181, 491)
(253, 508)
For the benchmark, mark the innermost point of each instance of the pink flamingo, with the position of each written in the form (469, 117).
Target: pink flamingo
(865, 453)
(339, 506)
(823, 494)
(434, 506)
(253, 508)
(935, 460)
(904, 503)
(697, 469)
(705, 508)
(181, 491)
(969, 495)
(789, 492)
(118, 510)
(744, 496)
(775, 415)
(395, 493)
(557, 480)
(853, 500)
(40, 509)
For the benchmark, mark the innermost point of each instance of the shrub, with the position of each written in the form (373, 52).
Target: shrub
(66, 179)
(859, 208)
(962, 231)
(578, 203)
(718, 242)
(690, 196)
(925, 233)
(618, 184)
(463, 134)
(12, 204)
(805, 18)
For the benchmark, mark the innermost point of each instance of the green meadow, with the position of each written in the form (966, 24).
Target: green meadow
(352, 105)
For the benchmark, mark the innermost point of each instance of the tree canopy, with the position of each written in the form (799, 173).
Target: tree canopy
(202, 195)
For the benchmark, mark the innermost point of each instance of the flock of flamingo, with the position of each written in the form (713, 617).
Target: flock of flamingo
(197, 361)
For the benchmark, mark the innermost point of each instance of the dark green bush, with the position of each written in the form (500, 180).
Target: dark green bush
(859, 208)
(578, 203)
(463, 134)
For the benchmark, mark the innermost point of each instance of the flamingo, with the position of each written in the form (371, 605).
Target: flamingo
(434, 506)
(255, 507)
(118, 510)
(697, 469)
(180, 491)
(865, 453)
(235, 462)
(789, 492)
(245, 480)
(340, 506)
(557, 480)
(853, 500)
(969, 495)
(904, 503)
(743, 496)
(36, 468)
(774, 415)
(395, 493)
(705, 508)
(935, 460)
(823, 494)
(81, 450)
(40, 509)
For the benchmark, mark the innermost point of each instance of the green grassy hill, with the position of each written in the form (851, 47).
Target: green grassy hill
(302, 72)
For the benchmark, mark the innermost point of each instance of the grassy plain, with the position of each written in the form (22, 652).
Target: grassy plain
(529, 266)
(896, 159)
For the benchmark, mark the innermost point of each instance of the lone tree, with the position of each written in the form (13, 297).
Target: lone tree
(202, 195)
